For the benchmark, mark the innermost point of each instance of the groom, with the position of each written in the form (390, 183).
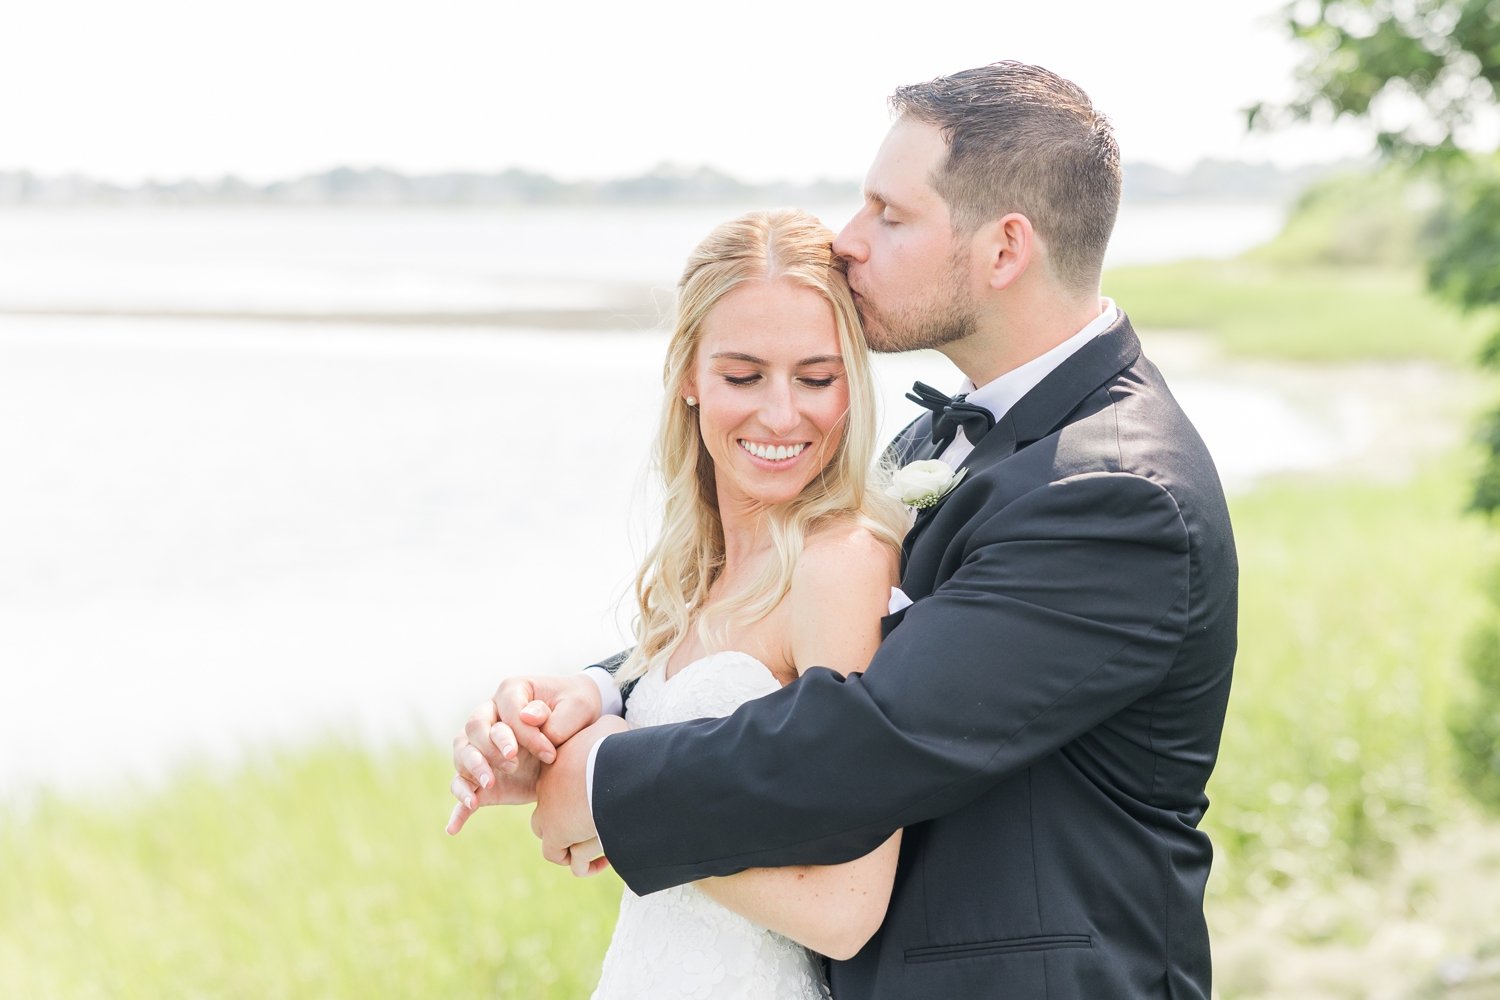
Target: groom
(1043, 719)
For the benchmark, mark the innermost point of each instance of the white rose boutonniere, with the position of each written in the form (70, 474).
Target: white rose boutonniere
(920, 485)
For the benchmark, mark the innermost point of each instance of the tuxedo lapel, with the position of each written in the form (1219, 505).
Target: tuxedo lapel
(1047, 406)
(1040, 412)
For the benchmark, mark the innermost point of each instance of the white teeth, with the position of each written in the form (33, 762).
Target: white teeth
(773, 453)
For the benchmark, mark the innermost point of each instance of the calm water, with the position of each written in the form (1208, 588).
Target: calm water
(221, 534)
(436, 259)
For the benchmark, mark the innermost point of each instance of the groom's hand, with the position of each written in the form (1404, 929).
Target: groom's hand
(562, 818)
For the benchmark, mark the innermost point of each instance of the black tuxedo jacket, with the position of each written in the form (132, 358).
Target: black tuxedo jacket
(1042, 721)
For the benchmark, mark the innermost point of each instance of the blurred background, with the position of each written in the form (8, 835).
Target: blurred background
(330, 345)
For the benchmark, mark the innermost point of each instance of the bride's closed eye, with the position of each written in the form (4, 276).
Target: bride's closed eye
(819, 381)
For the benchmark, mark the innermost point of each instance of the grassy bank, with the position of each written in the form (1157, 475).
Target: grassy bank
(1254, 308)
(1345, 279)
(321, 873)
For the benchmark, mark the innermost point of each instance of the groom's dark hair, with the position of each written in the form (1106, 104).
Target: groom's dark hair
(1023, 139)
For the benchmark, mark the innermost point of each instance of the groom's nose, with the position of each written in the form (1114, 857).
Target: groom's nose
(849, 244)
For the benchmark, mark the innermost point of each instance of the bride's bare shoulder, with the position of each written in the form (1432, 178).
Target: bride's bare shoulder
(845, 551)
(840, 590)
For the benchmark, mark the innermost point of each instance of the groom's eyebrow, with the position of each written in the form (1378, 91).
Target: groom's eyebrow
(880, 198)
(816, 359)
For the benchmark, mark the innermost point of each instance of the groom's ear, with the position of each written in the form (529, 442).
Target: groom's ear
(1006, 246)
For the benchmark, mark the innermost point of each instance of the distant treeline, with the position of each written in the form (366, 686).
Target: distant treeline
(1210, 179)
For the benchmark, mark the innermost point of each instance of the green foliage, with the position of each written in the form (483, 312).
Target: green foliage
(1487, 485)
(1475, 722)
(1424, 72)
(1418, 70)
(1465, 266)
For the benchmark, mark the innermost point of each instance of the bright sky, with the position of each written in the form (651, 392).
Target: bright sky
(596, 88)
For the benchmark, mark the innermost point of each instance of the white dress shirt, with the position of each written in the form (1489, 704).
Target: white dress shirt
(997, 395)
(1000, 394)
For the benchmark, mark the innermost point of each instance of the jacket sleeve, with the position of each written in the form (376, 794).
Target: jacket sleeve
(1068, 604)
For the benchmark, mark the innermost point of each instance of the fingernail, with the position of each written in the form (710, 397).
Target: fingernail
(485, 780)
(469, 802)
(506, 749)
(546, 756)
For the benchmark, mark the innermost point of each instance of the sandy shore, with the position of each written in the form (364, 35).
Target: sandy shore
(1393, 415)
(626, 310)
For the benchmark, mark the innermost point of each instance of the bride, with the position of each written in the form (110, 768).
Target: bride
(775, 555)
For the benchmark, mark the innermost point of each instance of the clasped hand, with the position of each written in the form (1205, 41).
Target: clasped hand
(530, 742)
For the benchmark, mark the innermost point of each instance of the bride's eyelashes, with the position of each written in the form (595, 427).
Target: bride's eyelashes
(811, 381)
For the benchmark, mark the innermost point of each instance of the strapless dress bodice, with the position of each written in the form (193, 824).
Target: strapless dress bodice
(678, 944)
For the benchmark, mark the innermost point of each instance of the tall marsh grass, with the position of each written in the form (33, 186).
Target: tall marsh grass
(318, 873)
(1355, 605)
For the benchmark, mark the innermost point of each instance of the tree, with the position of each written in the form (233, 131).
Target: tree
(1425, 74)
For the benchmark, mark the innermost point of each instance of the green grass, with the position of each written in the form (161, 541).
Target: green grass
(1343, 280)
(1356, 602)
(321, 873)
(1300, 313)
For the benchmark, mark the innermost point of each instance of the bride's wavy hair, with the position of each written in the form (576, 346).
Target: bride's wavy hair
(672, 586)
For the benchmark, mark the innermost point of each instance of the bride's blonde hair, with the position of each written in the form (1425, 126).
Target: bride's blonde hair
(672, 586)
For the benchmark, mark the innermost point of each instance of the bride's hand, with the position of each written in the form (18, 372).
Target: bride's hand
(496, 757)
(513, 788)
(539, 714)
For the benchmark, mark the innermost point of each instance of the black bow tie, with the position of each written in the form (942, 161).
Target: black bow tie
(949, 413)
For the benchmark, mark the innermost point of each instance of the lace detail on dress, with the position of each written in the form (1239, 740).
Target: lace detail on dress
(678, 943)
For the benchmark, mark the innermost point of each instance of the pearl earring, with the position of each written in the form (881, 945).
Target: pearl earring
(691, 400)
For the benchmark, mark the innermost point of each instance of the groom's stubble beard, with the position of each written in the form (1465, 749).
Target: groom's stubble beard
(945, 316)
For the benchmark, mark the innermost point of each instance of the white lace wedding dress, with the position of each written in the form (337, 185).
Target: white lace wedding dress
(677, 943)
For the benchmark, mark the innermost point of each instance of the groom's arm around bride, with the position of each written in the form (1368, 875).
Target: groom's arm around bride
(1044, 718)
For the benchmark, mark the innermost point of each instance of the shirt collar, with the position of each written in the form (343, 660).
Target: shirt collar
(1000, 394)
